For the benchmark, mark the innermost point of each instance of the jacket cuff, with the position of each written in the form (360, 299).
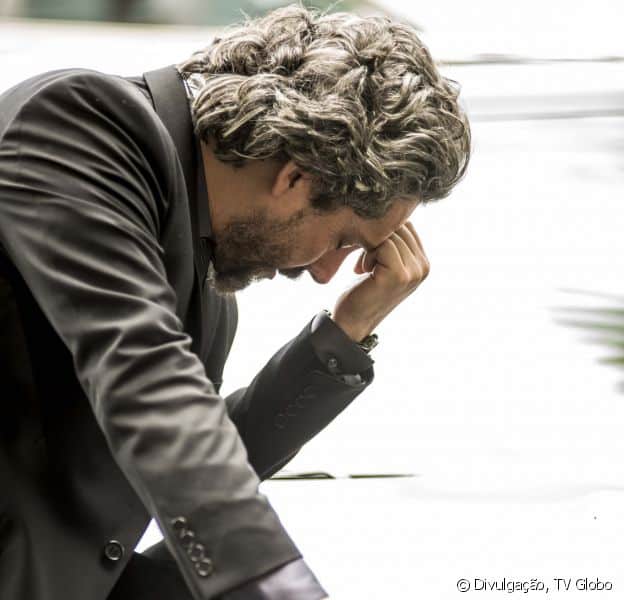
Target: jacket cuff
(335, 349)
(239, 540)
(292, 580)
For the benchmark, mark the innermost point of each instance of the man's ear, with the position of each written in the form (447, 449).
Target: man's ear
(291, 180)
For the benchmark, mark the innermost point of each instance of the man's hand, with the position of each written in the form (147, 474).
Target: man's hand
(395, 269)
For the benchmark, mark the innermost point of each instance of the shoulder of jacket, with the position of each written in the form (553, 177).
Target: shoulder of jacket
(104, 100)
(85, 93)
(100, 91)
(77, 77)
(64, 87)
(103, 112)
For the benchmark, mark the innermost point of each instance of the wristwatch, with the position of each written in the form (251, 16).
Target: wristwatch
(366, 344)
(369, 342)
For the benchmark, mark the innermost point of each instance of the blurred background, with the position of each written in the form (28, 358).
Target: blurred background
(499, 390)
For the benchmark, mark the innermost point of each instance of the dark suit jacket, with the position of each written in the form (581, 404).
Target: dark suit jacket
(112, 347)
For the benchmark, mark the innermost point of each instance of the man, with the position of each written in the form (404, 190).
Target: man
(131, 209)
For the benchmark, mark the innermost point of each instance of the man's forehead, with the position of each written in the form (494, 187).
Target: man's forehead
(370, 233)
(396, 215)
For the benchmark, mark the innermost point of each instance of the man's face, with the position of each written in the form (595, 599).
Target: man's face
(257, 247)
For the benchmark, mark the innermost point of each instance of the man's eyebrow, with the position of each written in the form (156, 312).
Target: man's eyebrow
(366, 245)
(357, 241)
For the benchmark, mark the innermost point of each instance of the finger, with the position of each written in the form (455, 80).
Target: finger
(405, 252)
(408, 237)
(389, 258)
(422, 257)
(369, 261)
(359, 263)
(411, 227)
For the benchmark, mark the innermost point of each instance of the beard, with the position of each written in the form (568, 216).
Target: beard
(251, 249)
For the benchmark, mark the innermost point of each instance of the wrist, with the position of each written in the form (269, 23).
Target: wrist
(357, 331)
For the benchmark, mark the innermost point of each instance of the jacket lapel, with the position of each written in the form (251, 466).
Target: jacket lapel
(169, 97)
(171, 103)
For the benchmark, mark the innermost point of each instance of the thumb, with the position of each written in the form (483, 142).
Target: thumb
(359, 263)
(368, 259)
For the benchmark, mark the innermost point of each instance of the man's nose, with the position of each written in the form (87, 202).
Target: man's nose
(326, 267)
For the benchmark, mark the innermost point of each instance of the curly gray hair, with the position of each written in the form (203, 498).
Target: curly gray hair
(357, 102)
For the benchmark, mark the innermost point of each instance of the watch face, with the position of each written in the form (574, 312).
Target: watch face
(369, 342)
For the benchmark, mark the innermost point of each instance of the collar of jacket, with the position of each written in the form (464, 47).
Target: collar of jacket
(171, 103)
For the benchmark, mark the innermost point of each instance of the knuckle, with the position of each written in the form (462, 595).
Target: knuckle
(426, 266)
(404, 278)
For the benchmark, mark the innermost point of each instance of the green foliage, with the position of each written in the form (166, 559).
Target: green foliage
(606, 325)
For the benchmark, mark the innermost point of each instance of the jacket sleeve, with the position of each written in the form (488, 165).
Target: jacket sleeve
(301, 389)
(86, 169)
(291, 581)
